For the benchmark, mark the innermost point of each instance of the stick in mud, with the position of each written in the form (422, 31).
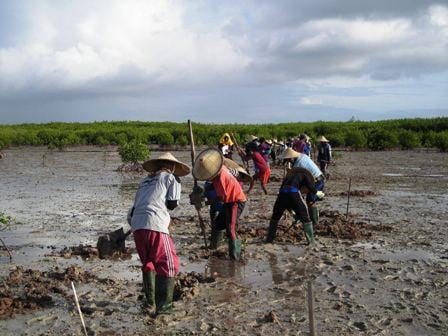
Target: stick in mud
(7, 250)
(311, 308)
(348, 196)
(79, 309)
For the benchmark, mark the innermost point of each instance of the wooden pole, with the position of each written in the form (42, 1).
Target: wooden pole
(348, 196)
(239, 150)
(311, 308)
(7, 250)
(79, 309)
(193, 155)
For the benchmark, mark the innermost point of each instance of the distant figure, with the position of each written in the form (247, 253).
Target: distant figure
(299, 144)
(262, 171)
(226, 145)
(265, 149)
(324, 154)
(2, 155)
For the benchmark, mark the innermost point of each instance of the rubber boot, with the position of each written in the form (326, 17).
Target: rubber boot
(216, 238)
(272, 231)
(149, 288)
(308, 228)
(235, 249)
(314, 215)
(164, 294)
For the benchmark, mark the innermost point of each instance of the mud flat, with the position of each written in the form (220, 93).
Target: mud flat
(381, 269)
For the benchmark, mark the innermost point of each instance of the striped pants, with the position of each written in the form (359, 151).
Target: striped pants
(157, 253)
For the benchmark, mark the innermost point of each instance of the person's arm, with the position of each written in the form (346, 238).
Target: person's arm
(173, 193)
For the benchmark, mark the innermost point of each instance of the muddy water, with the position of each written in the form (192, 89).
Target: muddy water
(393, 283)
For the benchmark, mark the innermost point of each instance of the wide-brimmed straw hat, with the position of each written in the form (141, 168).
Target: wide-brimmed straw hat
(322, 139)
(252, 138)
(207, 164)
(243, 174)
(269, 141)
(181, 169)
(289, 153)
(306, 172)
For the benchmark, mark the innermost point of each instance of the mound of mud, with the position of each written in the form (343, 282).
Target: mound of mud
(331, 224)
(89, 252)
(359, 193)
(334, 224)
(131, 168)
(30, 290)
(187, 285)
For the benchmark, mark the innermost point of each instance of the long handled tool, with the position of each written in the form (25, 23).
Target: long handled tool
(240, 152)
(197, 205)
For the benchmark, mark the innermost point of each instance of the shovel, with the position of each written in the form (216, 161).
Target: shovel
(112, 242)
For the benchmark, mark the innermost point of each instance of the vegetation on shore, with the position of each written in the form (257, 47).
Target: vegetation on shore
(375, 135)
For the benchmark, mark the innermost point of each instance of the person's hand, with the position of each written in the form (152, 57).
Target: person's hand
(320, 195)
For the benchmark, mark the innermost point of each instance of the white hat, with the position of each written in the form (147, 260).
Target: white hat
(181, 169)
(289, 153)
(322, 139)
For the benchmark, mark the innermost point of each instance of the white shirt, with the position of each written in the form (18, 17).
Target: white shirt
(150, 211)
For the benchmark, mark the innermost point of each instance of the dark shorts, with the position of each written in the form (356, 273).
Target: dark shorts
(228, 218)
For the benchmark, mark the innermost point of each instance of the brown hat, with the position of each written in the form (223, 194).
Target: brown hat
(207, 164)
(243, 174)
(304, 171)
(181, 169)
(289, 153)
(322, 139)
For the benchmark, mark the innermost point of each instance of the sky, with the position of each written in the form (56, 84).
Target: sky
(254, 61)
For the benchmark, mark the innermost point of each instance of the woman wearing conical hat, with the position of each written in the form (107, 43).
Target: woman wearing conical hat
(324, 153)
(149, 218)
(209, 166)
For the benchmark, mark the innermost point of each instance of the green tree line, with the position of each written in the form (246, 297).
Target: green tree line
(376, 135)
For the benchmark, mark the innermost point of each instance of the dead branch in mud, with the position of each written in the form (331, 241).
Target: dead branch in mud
(7, 250)
(79, 309)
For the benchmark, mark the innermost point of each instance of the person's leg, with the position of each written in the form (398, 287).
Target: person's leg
(279, 208)
(218, 228)
(143, 246)
(233, 210)
(300, 208)
(167, 266)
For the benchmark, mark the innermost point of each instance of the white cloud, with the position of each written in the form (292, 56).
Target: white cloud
(70, 50)
(311, 101)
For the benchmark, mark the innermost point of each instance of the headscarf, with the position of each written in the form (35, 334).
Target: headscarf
(222, 141)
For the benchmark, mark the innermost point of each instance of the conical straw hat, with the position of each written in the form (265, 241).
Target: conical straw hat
(243, 174)
(207, 164)
(181, 169)
(289, 153)
(306, 172)
(322, 139)
(252, 138)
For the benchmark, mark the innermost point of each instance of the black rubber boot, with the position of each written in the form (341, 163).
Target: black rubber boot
(272, 231)
(235, 249)
(164, 294)
(149, 288)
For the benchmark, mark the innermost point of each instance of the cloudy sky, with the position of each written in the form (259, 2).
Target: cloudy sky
(230, 61)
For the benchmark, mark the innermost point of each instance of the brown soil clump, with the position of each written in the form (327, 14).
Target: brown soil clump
(187, 285)
(89, 252)
(30, 290)
(359, 193)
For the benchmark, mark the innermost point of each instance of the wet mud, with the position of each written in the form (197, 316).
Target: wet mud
(381, 267)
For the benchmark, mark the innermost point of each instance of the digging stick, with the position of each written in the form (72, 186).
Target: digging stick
(348, 196)
(7, 250)
(245, 162)
(193, 154)
(79, 309)
(311, 309)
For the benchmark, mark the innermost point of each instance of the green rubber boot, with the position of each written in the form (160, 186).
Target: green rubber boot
(309, 235)
(216, 239)
(314, 215)
(149, 288)
(164, 294)
(235, 249)
(272, 231)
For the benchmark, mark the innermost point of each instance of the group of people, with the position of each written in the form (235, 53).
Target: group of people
(160, 191)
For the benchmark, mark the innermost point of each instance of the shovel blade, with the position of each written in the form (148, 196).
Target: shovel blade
(110, 243)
